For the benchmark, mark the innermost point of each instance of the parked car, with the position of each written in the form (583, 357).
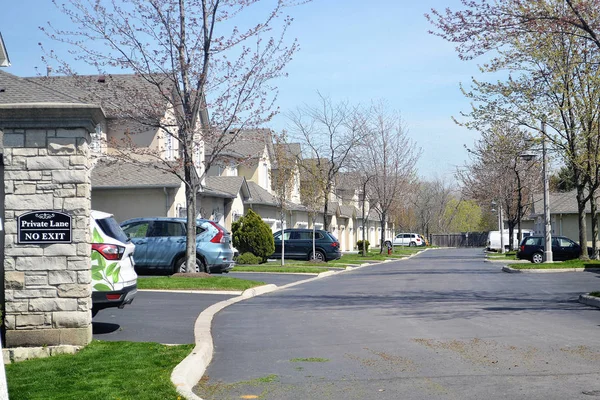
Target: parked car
(407, 239)
(114, 281)
(563, 248)
(493, 240)
(299, 245)
(160, 244)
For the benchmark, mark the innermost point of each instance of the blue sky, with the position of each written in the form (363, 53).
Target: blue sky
(350, 50)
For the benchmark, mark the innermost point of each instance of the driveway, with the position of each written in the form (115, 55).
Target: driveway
(442, 325)
(169, 317)
(154, 317)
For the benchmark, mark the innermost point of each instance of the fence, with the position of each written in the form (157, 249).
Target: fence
(467, 239)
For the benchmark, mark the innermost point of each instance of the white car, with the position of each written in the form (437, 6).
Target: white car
(407, 239)
(114, 280)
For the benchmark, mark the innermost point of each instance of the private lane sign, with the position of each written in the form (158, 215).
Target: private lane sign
(44, 227)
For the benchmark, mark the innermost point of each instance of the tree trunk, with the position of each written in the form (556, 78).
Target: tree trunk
(382, 240)
(582, 222)
(190, 199)
(282, 237)
(511, 236)
(594, 210)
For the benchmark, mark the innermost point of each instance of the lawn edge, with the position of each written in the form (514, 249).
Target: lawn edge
(510, 270)
(589, 300)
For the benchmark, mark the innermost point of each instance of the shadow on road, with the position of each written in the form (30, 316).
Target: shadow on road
(99, 328)
(435, 305)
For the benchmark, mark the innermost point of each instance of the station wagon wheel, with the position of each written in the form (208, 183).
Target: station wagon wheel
(537, 258)
(180, 265)
(318, 256)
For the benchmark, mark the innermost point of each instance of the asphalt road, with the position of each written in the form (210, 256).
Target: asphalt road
(168, 317)
(154, 317)
(442, 325)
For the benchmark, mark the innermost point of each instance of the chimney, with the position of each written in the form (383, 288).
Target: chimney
(101, 78)
(48, 70)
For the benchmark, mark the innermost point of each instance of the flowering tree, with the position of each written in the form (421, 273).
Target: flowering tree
(192, 57)
(550, 49)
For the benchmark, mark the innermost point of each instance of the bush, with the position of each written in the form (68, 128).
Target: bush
(359, 245)
(252, 235)
(248, 258)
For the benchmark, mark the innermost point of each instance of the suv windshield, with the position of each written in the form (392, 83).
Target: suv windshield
(110, 227)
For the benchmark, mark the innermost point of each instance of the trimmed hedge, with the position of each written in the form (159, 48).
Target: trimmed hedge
(359, 245)
(248, 258)
(252, 235)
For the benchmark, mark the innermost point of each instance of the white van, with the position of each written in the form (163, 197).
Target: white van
(493, 242)
(114, 280)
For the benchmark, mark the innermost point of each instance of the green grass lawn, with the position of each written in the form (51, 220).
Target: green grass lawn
(558, 265)
(278, 268)
(200, 283)
(100, 371)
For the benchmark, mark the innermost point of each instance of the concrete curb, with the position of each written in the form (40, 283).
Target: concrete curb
(590, 300)
(189, 371)
(225, 292)
(510, 270)
(491, 260)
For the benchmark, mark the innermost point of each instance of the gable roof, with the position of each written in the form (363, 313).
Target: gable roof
(347, 211)
(230, 186)
(560, 203)
(116, 174)
(258, 195)
(4, 60)
(119, 95)
(290, 151)
(248, 144)
(16, 90)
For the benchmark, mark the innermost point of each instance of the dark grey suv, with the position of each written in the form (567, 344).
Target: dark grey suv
(563, 248)
(299, 245)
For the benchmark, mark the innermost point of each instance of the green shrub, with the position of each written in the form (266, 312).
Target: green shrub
(359, 245)
(248, 258)
(252, 235)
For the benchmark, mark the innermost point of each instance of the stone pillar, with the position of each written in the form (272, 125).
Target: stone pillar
(47, 286)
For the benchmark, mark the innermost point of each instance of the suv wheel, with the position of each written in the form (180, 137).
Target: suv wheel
(180, 265)
(412, 244)
(318, 255)
(537, 258)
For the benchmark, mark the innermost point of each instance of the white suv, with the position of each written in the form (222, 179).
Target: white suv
(114, 281)
(407, 239)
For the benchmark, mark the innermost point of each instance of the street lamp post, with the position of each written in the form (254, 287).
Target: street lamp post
(547, 224)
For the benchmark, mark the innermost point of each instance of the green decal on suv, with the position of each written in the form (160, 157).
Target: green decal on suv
(101, 271)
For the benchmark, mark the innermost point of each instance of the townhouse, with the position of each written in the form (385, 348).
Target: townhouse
(147, 182)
